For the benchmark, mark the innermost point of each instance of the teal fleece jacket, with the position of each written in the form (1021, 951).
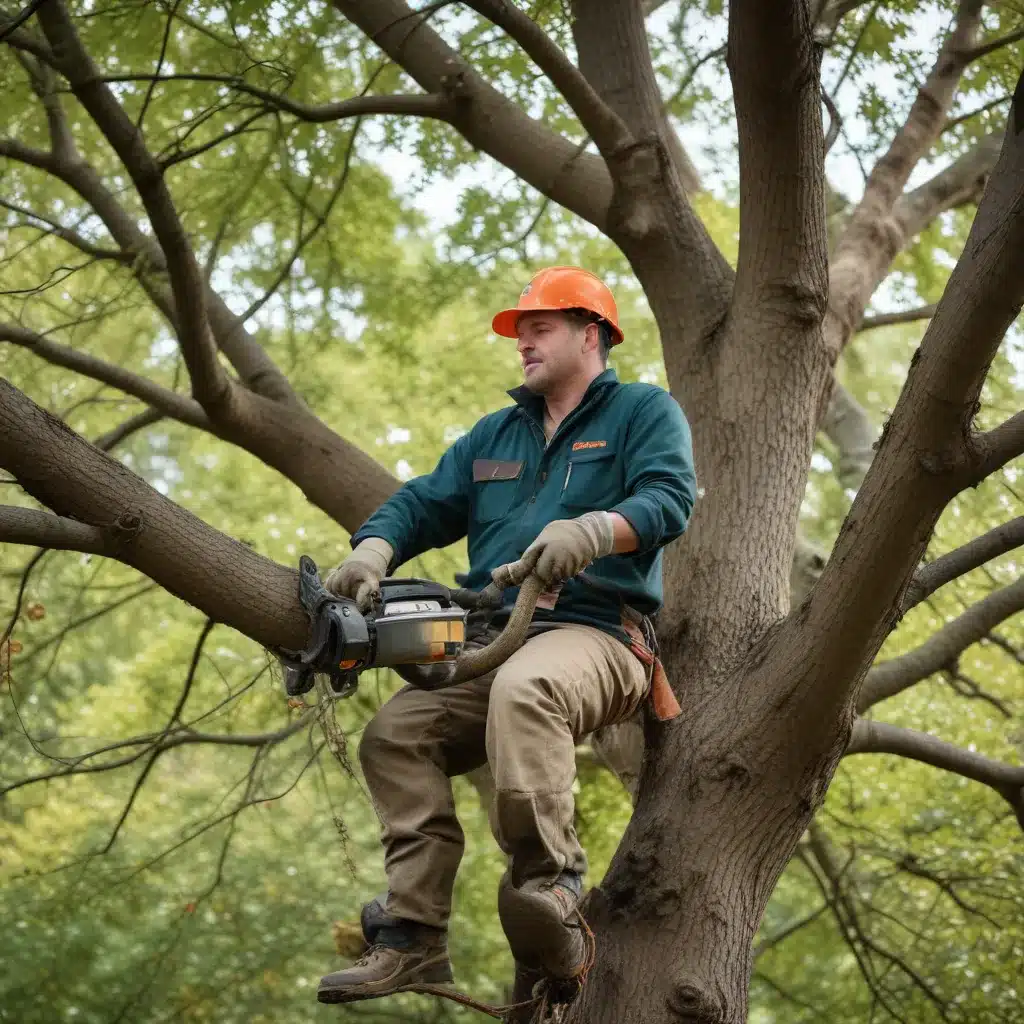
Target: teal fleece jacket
(625, 448)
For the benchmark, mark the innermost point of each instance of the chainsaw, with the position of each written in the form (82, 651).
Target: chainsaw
(416, 627)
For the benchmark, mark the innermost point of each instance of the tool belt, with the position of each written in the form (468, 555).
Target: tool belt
(644, 644)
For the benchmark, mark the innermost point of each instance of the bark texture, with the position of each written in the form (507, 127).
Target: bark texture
(694, 871)
(139, 526)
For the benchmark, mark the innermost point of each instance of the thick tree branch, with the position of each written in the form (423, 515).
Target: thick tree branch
(651, 218)
(774, 67)
(609, 132)
(906, 316)
(957, 563)
(927, 452)
(170, 403)
(866, 247)
(45, 530)
(333, 473)
(210, 384)
(227, 580)
(553, 165)
(1007, 780)
(434, 105)
(894, 676)
(269, 420)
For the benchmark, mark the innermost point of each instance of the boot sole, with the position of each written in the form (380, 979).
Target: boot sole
(536, 932)
(432, 972)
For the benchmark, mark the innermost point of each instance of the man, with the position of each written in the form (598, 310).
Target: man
(582, 473)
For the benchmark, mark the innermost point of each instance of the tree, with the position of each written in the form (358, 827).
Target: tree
(772, 696)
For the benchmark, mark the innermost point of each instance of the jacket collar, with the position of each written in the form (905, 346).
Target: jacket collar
(533, 404)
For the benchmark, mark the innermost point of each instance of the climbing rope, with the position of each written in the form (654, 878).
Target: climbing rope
(555, 991)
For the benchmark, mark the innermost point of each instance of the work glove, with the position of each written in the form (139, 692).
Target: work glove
(358, 576)
(562, 549)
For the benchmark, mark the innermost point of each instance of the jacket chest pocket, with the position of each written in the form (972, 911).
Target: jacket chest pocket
(495, 483)
(592, 481)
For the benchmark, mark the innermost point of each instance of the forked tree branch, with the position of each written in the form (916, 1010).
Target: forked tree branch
(868, 228)
(958, 184)
(609, 131)
(210, 384)
(64, 162)
(962, 560)
(652, 220)
(869, 737)
(891, 677)
(268, 421)
(553, 165)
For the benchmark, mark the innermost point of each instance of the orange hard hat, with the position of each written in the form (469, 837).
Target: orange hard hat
(557, 288)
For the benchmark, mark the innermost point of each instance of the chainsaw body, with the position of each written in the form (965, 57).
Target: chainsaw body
(415, 622)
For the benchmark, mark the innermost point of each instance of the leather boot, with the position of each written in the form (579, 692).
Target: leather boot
(403, 954)
(541, 924)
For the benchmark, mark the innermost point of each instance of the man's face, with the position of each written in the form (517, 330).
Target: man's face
(551, 349)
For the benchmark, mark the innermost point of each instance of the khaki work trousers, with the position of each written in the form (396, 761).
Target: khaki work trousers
(525, 720)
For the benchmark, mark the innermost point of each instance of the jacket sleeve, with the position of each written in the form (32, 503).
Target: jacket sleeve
(430, 511)
(661, 485)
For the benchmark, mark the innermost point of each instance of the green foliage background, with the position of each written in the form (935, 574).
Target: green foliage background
(195, 910)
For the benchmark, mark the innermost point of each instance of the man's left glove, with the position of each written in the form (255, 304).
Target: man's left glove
(562, 549)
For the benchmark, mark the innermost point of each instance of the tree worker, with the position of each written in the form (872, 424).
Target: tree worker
(581, 473)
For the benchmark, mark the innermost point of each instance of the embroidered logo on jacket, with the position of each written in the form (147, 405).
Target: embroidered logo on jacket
(579, 445)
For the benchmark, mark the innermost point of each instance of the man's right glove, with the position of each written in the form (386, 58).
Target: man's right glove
(358, 576)
(562, 549)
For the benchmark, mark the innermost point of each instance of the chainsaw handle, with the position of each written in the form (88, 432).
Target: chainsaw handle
(478, 662)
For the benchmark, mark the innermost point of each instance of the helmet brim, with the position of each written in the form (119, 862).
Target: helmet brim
(504, 323)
